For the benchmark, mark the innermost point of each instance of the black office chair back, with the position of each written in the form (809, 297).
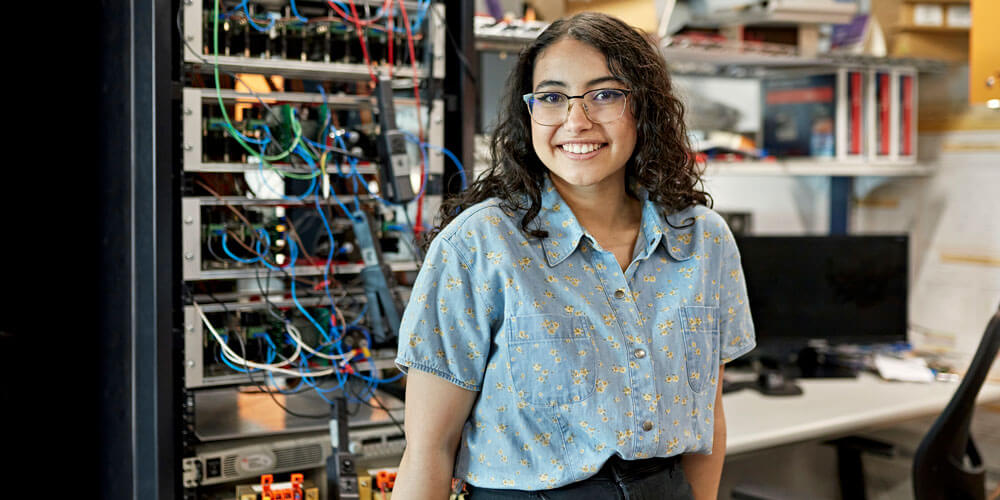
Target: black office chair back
(947, 464)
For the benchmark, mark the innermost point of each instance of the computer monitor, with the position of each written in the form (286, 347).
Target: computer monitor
(838, 289)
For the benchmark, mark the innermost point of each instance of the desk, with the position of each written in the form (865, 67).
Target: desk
(830, 408)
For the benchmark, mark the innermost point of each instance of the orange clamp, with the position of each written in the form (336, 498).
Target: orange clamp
(385, 479)
(266, 481)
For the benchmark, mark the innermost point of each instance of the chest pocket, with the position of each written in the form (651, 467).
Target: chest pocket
(553, 360)
(701, 344)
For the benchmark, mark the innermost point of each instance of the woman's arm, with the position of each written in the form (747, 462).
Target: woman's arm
(435, 412)
(705, 471)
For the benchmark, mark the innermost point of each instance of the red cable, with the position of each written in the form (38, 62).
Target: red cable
(417, 225)
(390, 28)
(364, 46)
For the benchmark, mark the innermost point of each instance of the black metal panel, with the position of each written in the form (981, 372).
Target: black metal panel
(460, 116)
(138, 399)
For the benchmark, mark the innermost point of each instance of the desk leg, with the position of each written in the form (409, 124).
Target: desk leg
(851, 472)
(849, 467)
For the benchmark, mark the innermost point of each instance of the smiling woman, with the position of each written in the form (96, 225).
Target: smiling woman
(661, 161)
(567, 330)
(586, 147)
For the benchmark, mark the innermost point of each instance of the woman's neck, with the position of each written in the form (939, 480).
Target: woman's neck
(604, 209)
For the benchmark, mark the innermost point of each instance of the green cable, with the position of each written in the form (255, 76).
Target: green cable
(296, 126)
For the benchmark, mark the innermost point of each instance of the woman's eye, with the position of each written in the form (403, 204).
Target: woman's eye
(548, 98)
(606, 95)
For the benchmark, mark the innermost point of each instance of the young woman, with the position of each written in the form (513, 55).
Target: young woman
(566, 333)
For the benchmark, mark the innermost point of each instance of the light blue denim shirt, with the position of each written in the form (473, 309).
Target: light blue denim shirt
(575, 360)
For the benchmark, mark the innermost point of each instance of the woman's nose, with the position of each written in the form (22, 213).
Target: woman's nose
(576, 118)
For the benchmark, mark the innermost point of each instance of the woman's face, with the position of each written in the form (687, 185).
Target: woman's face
(573, 68)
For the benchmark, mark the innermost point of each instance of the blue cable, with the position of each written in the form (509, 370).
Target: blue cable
(270, 343)
(423, 185)
(246, 11)
(461, 169)
(357, 320)
(239, 6)
(418, 20)
(414, 24)
(295, 12)
(333, 249)
(225, 248)
(293, 252)
(260, 170)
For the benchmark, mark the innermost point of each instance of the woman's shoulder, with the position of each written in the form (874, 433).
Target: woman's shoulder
(696, 217)
(482, 221)
(696, 231)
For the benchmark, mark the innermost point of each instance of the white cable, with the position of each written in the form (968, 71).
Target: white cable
(296, 336)
(274, 367)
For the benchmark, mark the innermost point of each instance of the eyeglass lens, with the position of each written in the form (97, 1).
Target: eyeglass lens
(601, 106)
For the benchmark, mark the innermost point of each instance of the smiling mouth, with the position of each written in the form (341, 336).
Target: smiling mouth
(581, 149)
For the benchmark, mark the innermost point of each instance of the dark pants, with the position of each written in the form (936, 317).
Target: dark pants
(654, 478)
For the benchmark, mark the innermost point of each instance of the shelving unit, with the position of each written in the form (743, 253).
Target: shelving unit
(815, 168)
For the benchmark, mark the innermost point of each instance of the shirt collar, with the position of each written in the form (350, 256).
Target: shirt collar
(565, 232)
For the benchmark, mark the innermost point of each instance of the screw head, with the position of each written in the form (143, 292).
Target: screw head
(189, 256)
(990, 81)
(189, 220)
(190, 363)
(188, 147)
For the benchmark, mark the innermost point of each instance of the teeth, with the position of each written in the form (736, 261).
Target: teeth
(580, 148)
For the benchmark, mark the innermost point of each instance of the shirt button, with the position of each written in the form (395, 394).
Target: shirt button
(620, 293)
(640, 353)
(647, 426)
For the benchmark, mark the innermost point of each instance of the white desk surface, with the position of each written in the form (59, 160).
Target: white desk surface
(831, 408)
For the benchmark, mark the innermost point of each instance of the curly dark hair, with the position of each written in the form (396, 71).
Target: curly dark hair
(662, 162)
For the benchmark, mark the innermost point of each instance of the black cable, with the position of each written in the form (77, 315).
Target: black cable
(413, 245)
(265, 291)
(389, 413)
(212, 251)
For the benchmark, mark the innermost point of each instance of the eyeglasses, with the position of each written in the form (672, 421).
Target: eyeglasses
(600, 105)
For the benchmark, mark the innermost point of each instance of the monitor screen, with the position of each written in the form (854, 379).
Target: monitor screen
(841, 289)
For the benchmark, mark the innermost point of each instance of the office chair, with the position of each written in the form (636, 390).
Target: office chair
(947, 464)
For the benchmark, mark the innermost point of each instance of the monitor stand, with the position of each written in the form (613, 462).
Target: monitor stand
(775, 377)
(813, 364)
(774, 383)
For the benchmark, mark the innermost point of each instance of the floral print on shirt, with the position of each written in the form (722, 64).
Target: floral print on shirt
(575, 359)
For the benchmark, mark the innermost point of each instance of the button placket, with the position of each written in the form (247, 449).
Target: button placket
(636, 353)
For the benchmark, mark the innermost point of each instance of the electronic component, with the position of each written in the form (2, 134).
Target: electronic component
(395, 162)
(384, 306)
(280, 154)
(217, 463)
(296, 488)
(341, 475)
(308, 37)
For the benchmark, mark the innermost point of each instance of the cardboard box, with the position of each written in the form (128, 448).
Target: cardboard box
(638, 13)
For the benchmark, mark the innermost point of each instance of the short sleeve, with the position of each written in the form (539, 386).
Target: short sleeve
(736, 325)
(446, 329)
